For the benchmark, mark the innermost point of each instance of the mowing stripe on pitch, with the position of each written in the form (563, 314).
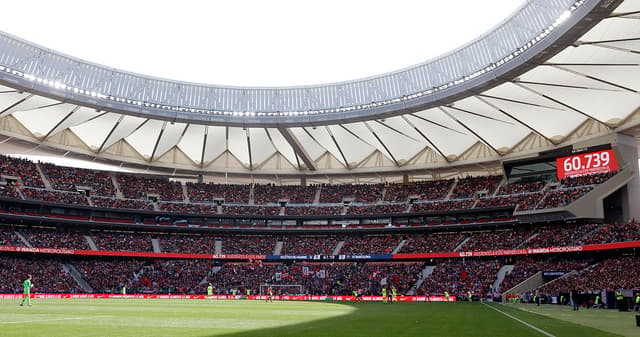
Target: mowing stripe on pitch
(521, 321)
(47, 320)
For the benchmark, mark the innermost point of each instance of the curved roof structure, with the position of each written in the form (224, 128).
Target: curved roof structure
(555, 72)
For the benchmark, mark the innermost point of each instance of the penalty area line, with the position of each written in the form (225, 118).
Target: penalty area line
(521, 321)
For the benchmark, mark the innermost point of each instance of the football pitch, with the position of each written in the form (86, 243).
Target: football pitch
(158, 317)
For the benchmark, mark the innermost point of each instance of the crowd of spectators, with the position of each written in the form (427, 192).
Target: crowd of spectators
(309, 245)
(441, 206)
(108, 276)
(370, 244)
(9, 238)
(457, 276)
(48, 275)
(338, 278)
(469, 187)
(24, 169)
(52, 196)
(54, 238)
(137, 187)
(250, 244)
(313, 210)
(526, 267)
(586, 180)
(368, 193)
(609, 274)
(490, 240)
(377, 209)
(172, 277)
(295, 194)
(424, 190)
(561, 198)
(251, 210)
(9, 190)
(615, 232)
(208, 192)
(432, 242)
(187, 243)
(122, 203)
(523, 202)
(70, 178)
(563, 234)
(522, 187)
(122, 241)
(188, 208)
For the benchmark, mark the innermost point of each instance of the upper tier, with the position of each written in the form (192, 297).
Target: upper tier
(28, 180)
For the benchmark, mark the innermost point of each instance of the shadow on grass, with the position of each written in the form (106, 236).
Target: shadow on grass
(422, 319)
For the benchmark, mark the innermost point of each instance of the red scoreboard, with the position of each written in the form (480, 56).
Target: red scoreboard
(586, 163)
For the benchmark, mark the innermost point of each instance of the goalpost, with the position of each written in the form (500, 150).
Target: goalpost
(282, 289)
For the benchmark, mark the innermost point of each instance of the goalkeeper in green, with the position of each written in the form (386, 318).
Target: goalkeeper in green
(26, 287)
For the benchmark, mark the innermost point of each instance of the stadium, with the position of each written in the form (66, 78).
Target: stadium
(493, 190)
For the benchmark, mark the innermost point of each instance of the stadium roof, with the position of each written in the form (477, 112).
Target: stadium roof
(555, 72)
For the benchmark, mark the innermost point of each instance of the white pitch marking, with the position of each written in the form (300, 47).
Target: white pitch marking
(521, 321)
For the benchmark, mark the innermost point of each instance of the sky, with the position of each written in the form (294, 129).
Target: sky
(254, 43)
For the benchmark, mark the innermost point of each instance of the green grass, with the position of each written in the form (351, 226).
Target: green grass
(155, 317)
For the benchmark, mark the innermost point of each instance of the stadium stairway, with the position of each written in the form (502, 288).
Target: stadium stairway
(46, 181)
(336, 250)
(185, 193)
(426, 272)
(217, 248)
(532, 282)
(155, 243)
(591, 232)
(73, 272)
(506, 269)
(316, 198)
(453, 187)
(400, 245)
(278, 247)
(91, 243)
(114, 180)
(527, 240)
(458, 246)
(23, 239)
(251, 196)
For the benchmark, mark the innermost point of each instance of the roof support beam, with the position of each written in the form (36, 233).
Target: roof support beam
(534, 130)
(60, 122)
(297, 148)
(470, 130)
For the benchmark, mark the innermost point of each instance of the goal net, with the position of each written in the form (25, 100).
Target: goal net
(282, 289)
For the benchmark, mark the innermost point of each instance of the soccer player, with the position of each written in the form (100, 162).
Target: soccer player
(26, 287)
(446, 296)
(248, 292)
(210, 291)
(269, 294)
(394, 293)
(469, 296)
(124, 291)
(384, 295)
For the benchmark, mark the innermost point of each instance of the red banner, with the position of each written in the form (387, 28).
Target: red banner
(231, 297)
(502, 252)
(130, 254)
(523, 251)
